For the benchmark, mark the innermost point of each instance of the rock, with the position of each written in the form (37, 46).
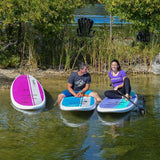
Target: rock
(140, 68)
(155, 67)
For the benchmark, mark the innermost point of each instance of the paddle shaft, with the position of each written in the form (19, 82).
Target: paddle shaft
(126, 97)
(142, 111)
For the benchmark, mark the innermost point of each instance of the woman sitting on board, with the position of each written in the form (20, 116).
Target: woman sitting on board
(120, 82)
(78, 85)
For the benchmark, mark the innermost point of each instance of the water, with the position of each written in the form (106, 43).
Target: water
(54, 134)
(98, 14)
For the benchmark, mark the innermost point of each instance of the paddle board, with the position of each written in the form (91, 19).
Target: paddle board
(117, 105)
(27, 93)
(78, 104)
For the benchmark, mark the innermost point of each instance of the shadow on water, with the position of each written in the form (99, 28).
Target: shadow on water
(49, 102)
(75, 118)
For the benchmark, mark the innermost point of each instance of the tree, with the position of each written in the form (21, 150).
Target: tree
(143, 14)
(24, 22)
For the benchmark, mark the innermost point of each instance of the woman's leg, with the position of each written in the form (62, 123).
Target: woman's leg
(112, 94)
(126, 89)
(127, 86)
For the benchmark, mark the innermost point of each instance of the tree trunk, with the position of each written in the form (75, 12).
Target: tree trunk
(111, 27)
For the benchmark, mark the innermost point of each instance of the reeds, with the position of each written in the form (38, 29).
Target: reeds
(65, 50)
(100, 50)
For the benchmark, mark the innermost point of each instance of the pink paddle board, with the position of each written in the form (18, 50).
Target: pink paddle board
(27, 93)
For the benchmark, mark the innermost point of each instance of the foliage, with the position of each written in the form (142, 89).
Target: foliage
(14, 61)
(35, 33)
(143, 14)
(4, 61)
(26, 24)
(49, 15)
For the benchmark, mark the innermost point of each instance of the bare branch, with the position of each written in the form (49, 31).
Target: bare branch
(8, 45)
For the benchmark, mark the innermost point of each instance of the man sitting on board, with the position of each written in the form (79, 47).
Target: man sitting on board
(78, 85)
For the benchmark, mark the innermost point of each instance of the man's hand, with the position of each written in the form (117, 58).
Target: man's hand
(79, 94)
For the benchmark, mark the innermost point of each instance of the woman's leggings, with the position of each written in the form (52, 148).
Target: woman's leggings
(126, 89)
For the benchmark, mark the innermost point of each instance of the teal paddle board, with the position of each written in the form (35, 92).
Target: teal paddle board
(78, 104)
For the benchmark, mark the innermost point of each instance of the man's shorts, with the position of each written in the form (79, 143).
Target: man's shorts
(68, 94)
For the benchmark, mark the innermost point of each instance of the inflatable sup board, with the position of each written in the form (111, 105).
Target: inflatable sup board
(117, 105)
(78, 104)
(27, 93)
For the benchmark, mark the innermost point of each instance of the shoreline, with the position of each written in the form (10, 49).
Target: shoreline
(8, 75)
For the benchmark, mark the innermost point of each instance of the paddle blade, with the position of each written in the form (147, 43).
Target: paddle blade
(142, 111)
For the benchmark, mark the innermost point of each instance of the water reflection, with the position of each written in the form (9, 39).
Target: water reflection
(75, 119)
(54, 134)
(156, 95)
(29, 112)
(113, 119)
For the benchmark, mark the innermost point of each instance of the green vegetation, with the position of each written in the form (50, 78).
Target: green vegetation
(36, 34)
(26, 27)
(144, 14)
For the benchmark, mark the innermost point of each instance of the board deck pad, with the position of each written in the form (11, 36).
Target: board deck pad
(27, 93)
(78, 103)
(117, 105)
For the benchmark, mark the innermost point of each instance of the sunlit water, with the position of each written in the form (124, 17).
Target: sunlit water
(53, 134)
(98, 14)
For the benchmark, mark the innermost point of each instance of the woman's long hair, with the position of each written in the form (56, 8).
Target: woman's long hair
(119, 67)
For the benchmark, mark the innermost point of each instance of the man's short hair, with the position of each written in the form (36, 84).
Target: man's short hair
(81, 66)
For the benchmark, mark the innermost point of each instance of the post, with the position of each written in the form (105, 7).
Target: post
(111, 27)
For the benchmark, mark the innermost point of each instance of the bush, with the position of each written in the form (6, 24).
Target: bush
(14, 61)
(4, 61)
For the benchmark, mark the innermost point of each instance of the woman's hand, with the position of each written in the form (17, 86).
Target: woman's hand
(116, 88)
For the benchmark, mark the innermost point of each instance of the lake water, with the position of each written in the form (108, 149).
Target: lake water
(54, 134)
(98, 14)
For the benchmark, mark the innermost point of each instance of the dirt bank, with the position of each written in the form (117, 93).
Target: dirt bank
(8, 75)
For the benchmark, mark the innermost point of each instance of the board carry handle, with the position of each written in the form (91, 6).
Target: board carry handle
(81, 101)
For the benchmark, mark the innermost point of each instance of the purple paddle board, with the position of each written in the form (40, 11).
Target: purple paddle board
(27, 93)
(117, 105)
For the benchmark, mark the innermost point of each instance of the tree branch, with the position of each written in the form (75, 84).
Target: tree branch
(8, 45)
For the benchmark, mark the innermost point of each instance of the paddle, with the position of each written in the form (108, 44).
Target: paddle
(84, 95)
(142, 110)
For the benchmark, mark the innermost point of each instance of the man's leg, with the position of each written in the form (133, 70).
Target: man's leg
(60, 98)
(96, 96)
(65, 93)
